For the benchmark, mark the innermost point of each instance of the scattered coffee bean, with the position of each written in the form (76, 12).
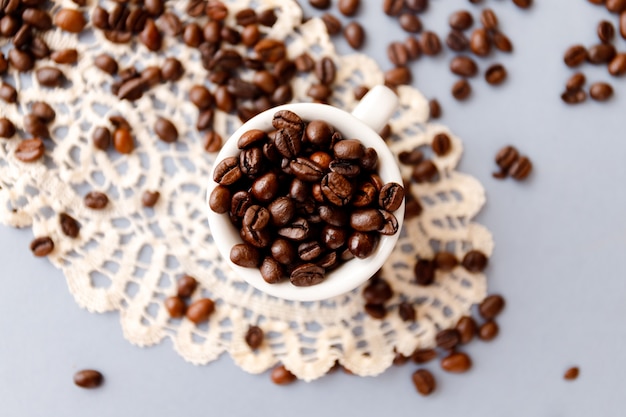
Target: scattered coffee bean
(606, 31)
(254, 337)
(320, 4)
(575, 55)
(413, 48)
(200, 310)
(601, 54)
(333, 25)
(88, 378)
(495, 74)
(96, 200)
(506, 157)
(21, 60)
(488, 331)
(150, 36)
(423, 355)
(393, 7)
(397, 54)
(354, 34)
(501, 41)
(615, 6)
(425, 171)
(435, 108)
(521, 168)
(106, 63)
(30, 150)
(475, 261)
(430, 43)
(281, 376)
(398, 76)
(456, 362)
(186, 285)
(123, 140)
(69, 225)
(445, 261)
(479, 42)
(7, 128)
(574, 96)
(461, 90)
(571, 374)
(65, 56)
(463, 66)
(42, 246)
(150, 198)
(101, 138)
(523, 4)
(35, 126)
(377, 291)
(70, 20)
(491, 306)
(172, 69)
(600, 91)
(617, 66)
(622, 24)
(165, 130)
(575, 82)
(410, 22)
(489, 19)
(448, 339)
(467, 328)
(348, 7)
(8, 93)
(376, 311)
(424, 272)
(407, 311)
(461, 20)
(423, 381)
(175, 307)
(457, 41)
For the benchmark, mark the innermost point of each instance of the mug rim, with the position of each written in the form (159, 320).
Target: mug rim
(356, 271)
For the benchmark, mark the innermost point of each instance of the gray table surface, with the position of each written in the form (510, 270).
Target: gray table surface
(559, 259)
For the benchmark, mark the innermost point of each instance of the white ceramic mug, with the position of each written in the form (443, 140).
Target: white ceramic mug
(368, 118)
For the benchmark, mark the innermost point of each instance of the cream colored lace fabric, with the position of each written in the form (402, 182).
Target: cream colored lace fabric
(128, 257)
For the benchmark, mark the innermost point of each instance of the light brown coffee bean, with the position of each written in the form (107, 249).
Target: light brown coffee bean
(70, 20)
(281, 376)
(491, 306)
(457, 362)
(42, 246)
(423, 381)
(88, 378)
(200, 310)
(175, 307)
(30, 150)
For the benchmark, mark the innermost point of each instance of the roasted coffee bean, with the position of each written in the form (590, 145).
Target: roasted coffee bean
(251, 161)
(423, 381)
(425, 171)
(365, 194)
(441, 144)
(281, 376)
(448, 339)
(413, 157)
(424, 355)
(334, 237)
(298, 230)
(320, 4)
(69, 225)
(333, 25)
(30, 150)
(406, 311)
(489, 19)
(319, 92)
(100, 18)
(283, 251)
(227, 172)
(337, 189)
(9, 25)
(398, 76)
(354, 34)
(575, 82)
(271, 271)
(165, 130)
(461, 20)
(96, 200)
(246, 17)
(186, 286)
(351, 149)
(435, 108)
(362, 245)
(267, 17)
(101, 138)
(150, 198)
(390, 224)
(333, 216)
(70, 20)
(397, 54)
(617, 66)
(575, 55)
(410, 22)
(319, 133)
(88, 378)
(288, 142)
(523, 4)
(605, 31)
(325, 70)
(466, 328)
(285, 119)
(479, 42)
(391, 196)
(172, 69)
(4, 64)
(348, 7)
(23, 37)
(424, 272)
(270, 50)
(201, 97)
(123, 141)
(175, 307)
(42, 246)
(240, 202)
(256, 238)
(456, 362)
(220, 199)
(366, 220)
(430, 43)
(521, 169)
(418, 6)
(475, 261)
(307, 275)
(216, 10)
(445, 261)
(495, 74)
(574, 96)
(501, 42)
(413, 48)
(256, 217)
(205, 121)
(615, 6)
(192, 35)
(195, 8)
(321, 158)
(457, 41)
(306, 170)
(491, 306)
(488, 331)
(601, 53)
(506, 157)
(622, 24)
(298, 190)
(377, 291)
(393, 7)
(399, 359)
(245, 255)
(150, 36)
(600, 91)
(37, 18)
(254, 337)
(461, 90)
(282, 95)
(304, 62)
(376, 311)
(463, 66)
(132, 89)
(309, 251)
(230, 35)
(21, 60)
(571, 374)
(106, 63)
(212, 32)
(200, 310)
(7, 128)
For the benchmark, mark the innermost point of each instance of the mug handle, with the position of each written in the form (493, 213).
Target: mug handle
(376, 107)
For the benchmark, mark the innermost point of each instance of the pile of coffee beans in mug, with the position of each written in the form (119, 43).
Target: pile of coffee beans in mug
(304, 200)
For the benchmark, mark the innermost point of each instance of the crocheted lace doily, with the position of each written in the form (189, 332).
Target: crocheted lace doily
(128, 257)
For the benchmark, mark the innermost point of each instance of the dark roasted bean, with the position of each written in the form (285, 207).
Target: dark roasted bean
(423, 381)
(457, 41)
(165, 130)
(424, 355)
(430, 43)
(435, 108)
(7, 128)
(270, 50)
(254, 337)
(227, 172)
(42, 246)
(461, 90)
(150, 36)
(96, 200)
(617, 66)
(88, 378)
(354, 34)
(106, 63)
(463, 66)
(521, 168)
(571, 374)
(475, 261)
(212, 141)
(448, 339)
(65, 56)
(605, 31)
(495, 74)
(441, 144)
(172, 69)
(424, 272)
(333, 25)
(216, 10)
(574, 96)
(491, 306)
(489, 19)
(306, 275)
(410, 22)
(461, 20)
(175, 307)
(397, 54)
(348, 7)
(245, 255)
(488, 331)
(220, 199)
(21, 60)
(35, 126)
(406, 311)
(393, 7)
(150, 198)
(466, 327)
(600, 91)
(425, 171)
(601, 53)
(362, 245)
(69, 225)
